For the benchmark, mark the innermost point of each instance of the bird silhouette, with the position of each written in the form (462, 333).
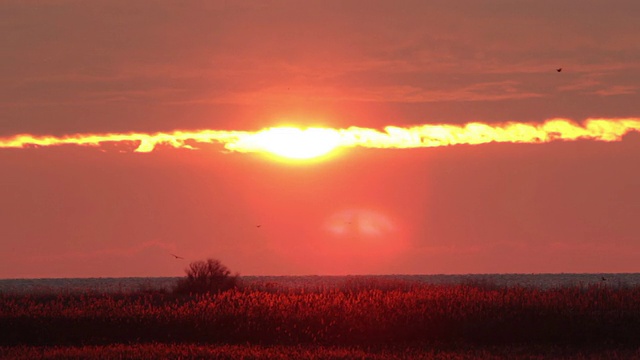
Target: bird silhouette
(177, 257)
(258, 226)
(559, 69)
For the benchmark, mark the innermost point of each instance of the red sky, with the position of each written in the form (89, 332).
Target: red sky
(118, 66)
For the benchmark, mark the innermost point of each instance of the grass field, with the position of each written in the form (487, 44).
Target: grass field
(361, 319)
(212, 351)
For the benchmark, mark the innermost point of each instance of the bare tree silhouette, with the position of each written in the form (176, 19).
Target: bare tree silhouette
(208, 276)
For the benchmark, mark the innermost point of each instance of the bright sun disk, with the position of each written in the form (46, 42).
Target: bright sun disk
(294, 143)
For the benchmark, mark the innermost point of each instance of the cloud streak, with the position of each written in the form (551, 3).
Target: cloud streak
(273, 140)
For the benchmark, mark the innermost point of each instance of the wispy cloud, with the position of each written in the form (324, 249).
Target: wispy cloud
(617, 90)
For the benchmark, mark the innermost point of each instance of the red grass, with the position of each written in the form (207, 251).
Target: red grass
(199, 351)
(355, 315)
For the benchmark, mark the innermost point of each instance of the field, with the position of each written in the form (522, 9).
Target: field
(362, 319)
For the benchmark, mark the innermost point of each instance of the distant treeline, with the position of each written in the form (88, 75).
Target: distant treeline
(361, 313)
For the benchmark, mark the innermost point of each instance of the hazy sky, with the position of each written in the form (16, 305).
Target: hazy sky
(71, 67)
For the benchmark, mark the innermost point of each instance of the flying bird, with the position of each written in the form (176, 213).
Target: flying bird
(177, 257)
(258, 226)
(559, 69)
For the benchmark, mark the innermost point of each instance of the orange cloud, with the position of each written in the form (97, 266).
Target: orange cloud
(287, 141)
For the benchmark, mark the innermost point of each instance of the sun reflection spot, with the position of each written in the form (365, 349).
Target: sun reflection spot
(361, 223)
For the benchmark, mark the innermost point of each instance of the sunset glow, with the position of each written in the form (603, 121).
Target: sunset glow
(319, 137)
(295, 143)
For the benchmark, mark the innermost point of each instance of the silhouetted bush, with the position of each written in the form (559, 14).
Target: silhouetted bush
(208, 276)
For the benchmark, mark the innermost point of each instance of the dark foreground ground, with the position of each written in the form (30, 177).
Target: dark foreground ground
(199, 351)
(365, 319)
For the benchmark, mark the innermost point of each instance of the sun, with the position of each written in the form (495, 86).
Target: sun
(297, 144)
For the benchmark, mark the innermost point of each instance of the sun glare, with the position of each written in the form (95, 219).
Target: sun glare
(294, 143)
